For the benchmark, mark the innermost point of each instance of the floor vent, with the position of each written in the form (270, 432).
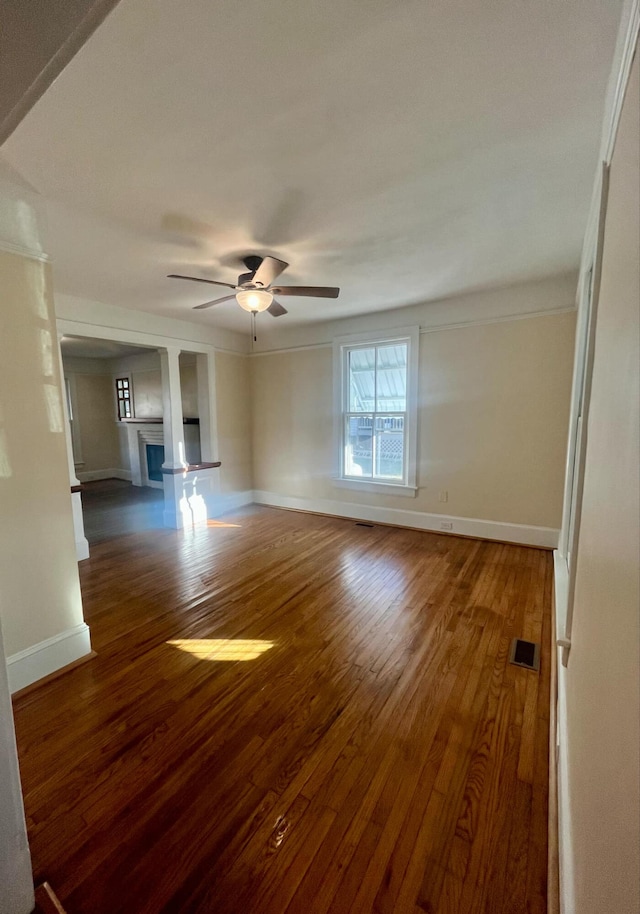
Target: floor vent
(360, 524)
(525, 653)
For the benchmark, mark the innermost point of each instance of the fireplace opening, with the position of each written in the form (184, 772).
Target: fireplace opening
(155, 459)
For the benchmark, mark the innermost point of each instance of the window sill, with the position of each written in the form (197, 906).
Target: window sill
(382, 488)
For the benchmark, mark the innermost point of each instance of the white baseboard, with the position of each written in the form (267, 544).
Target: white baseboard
(109, 473)
(46, 657)
(561, 588)
(82, 544)
(82, 549)
(565, 844)
(545, 537)
(225, 502)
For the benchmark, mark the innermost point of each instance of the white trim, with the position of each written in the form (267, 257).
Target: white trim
(481, 322)
(287, 349)
(579, 415)
(47, 656)
(341, 345)
(82, 543)
(226, 502)
(69, 377)
(132, 337)
(625, 51)
(565, 843)
(620, 71)
(561, 591)
(381, 488)
(109, 473)
(456, 325)
(22, 250)
(120, 376)
(145, 340)
(543, 537)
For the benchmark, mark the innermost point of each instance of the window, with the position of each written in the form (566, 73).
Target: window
(123, 393)
(377, 411)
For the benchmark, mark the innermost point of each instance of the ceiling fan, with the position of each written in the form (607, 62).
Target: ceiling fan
(255, 291)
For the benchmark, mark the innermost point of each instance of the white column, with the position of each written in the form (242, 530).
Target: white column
(16, 896)
(82, 544)
(173, 429)
(206, 372)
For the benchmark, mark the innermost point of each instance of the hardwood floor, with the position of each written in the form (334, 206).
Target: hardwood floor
(113, 507)
(350, 738)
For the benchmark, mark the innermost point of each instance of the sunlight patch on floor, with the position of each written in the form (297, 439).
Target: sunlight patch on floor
(222, 648)
(220, 523)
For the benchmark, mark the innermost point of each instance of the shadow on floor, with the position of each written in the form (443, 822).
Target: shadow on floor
(114, 507)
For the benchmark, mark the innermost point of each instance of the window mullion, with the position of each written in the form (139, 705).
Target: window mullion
(374, 448)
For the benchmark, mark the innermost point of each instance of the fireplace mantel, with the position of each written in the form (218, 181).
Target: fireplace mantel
(158, 420)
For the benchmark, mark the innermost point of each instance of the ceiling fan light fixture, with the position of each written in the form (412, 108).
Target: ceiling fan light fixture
(254, 299)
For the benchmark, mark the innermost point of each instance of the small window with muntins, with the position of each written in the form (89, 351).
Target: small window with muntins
(123, 393)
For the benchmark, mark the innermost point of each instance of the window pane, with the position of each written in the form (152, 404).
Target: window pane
(362, 366)
(389, 447)
(358, 456)
(391, 381)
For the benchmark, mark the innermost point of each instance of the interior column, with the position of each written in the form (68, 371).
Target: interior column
(173, 428)
(82, 544)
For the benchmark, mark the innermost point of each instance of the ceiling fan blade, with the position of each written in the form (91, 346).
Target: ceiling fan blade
(275, 309)
(213, 282)
(311, 291)
(269, 269)
(217, 301)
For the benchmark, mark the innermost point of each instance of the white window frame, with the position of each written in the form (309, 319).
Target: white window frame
(341, 347)
(114, 378)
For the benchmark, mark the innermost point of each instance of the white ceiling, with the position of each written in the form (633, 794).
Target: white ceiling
(403, 151)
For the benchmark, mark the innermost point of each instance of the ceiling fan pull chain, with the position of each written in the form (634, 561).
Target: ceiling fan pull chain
(253, 326)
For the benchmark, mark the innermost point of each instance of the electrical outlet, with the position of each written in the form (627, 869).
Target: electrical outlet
(444, 496)
(446, 525)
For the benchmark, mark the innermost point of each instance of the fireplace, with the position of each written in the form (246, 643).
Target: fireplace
(155, 459)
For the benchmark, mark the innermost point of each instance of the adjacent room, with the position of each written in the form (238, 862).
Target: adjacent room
(319, 457)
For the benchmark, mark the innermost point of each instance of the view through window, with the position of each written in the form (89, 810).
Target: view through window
(375, 419)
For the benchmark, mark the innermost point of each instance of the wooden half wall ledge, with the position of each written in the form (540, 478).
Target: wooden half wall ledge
(158, 420)
(47, 901)
(190, 468)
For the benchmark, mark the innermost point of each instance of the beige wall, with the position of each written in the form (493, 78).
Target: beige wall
(39, 586)
(603, 675)
(147, 392)
(189, 388)
(233, 406)
(493, 412)
(95, 415)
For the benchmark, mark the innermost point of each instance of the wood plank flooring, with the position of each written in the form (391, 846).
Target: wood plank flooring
(342, 734)
(113, 507)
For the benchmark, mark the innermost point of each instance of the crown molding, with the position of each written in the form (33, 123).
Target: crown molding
(22, 250)
(384, 333)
